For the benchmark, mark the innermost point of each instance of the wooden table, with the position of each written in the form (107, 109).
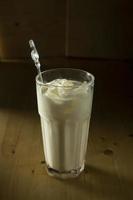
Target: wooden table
(109, 161)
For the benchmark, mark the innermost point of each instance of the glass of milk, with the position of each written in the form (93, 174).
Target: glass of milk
(64, 105)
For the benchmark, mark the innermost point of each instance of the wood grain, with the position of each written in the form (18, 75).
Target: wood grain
(108, 173)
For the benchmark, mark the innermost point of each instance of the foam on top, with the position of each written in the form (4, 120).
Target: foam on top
(64, 89)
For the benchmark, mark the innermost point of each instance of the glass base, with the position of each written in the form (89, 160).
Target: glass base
(64, 174)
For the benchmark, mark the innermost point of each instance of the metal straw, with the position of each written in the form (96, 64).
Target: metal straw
(35, 58)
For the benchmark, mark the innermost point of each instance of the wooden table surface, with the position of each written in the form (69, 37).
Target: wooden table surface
(109, 161)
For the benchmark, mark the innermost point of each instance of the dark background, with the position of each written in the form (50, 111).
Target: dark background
(88, 28)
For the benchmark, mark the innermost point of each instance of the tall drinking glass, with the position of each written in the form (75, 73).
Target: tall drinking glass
(64, 105)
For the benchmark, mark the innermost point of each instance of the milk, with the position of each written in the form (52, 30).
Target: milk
(65, 108)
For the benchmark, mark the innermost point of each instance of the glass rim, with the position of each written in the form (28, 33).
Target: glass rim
(65, 68)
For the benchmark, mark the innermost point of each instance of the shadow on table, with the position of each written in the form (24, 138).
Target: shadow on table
(99, 183)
